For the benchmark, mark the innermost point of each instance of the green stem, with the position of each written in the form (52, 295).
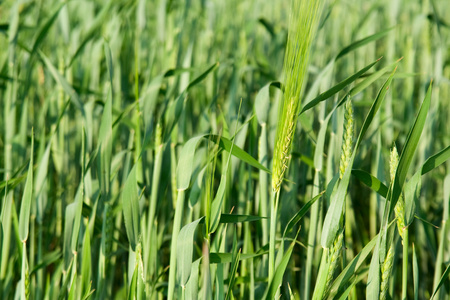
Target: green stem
(273, 230)
(173, 246)
(153, 201)
(405, 264)
(263, 190)
(137, 116)
(312, 234)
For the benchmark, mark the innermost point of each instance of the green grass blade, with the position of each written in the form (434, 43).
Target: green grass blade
(436, 160)
(174, 112)
(63, 82)
(186, 162)
(228, 146)
(43, 30)
(412, 195)
(105, 147)
(223, 258)
(376, 185)
(65, 283)
(25, 206)
(371, 79)
(374, 278)
(262, 102)
(109, 64)
(41, 176)
(415, 273)
(48, 259)
(130, 206)
(173, 248)
(217, 203)
(320, 144)
(93, 30)
(202, 76)
(363, 42)
(371, 181)
(301, 213)
(192, 285)
(234, 266)
(79, 197)
(132, 292)
(337, 88)
(69, 231)
(279, 273)
(86, 263)
(444, 277)
(374, 109)
(184, 257)
(409, 150)
(185, 165)
(231, 218)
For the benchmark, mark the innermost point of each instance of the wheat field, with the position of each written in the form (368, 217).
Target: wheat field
(239, 149)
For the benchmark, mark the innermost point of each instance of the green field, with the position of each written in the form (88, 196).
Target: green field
(237, 149)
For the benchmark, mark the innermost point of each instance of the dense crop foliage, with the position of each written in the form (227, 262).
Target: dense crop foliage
(239, 149)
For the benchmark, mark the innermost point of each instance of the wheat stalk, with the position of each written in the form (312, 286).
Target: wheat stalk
(302, 27)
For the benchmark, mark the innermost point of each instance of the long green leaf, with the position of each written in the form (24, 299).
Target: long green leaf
(223, 258)
(301, 213)
(408, 152)
(217, 203)
(192, 285)
(130, 206)
(279, 273)
(25, 207)
(105, 147)
(412, 194)
(371, 181)
(262, 102)
(363, 42)
(86, 262)
(229, 218)
(227, 145)
(184, 257)
(441, 281)
(175, 110)
(337, 88)
(43, 30)
(234, 266)
(63, 82)
(93, 30)
(435, 160)
(65, 283)
(374, 278)
(415, 273)
(186, 162)
(376, 185)
(185, 165)
(371, 79)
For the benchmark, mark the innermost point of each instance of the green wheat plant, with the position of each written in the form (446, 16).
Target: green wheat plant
(303, 22)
